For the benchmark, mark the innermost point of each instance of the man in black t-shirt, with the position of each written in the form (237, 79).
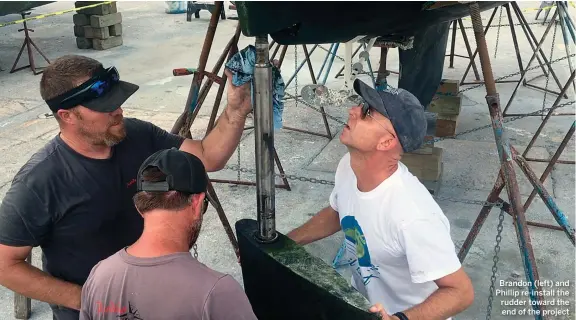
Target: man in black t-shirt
(73, 198)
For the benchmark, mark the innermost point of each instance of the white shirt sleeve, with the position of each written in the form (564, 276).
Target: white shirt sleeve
(343, 167)
(429, 250)
(333, 202)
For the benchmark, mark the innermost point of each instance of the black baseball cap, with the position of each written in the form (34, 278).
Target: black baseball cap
(184, 172)
(103, 92)
(402, 108)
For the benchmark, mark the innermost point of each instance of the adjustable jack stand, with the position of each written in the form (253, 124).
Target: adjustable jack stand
(27, 42)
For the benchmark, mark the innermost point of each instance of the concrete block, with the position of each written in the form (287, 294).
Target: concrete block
(81, 19)
(424, 166)
(98, 10)
(433, 186)
(96, 33)
(101, 21)
(105, 44)
(115, 30)
(83, 43)
(446, 125)
(430, 123)
(449, 86)
(427, 149)
(79, 4)
(79, 31)
(446, 104)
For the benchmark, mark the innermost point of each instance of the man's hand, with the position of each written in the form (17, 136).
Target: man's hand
(239, 98)
(378, 308)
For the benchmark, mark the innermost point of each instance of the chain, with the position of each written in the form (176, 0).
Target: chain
(334, 54)
(296, 71)
(495, 265)
(239, 143)
(283, 176)
(501, 78)
(498, 32)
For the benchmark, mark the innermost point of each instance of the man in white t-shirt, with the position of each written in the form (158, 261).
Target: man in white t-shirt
(398, 241)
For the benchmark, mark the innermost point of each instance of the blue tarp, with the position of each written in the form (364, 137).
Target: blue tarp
(242, 67)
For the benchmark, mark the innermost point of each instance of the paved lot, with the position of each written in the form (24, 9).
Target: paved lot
(155, 43)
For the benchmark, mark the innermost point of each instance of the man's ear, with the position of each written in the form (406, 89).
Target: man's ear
(67, 116)
(386, 143)
(197, 202)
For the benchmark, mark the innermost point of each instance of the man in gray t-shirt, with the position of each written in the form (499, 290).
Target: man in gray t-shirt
(157, 278)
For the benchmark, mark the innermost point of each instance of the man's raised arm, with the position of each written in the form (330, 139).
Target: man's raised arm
(216, 149)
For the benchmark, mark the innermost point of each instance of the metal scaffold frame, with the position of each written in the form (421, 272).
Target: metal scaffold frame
(265, 154)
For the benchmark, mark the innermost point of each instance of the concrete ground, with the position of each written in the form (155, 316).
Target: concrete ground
(155, 43)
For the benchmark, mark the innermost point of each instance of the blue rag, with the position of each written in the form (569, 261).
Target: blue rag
(242, 67)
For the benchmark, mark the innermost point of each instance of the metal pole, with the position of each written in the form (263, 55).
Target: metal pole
(264, 136)
(506, 160)
(191, 101)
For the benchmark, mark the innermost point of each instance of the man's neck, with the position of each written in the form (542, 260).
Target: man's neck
(85, 148)
(371, 169)
(160, 240)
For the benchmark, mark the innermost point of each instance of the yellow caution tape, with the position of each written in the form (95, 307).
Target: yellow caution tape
(42, 16)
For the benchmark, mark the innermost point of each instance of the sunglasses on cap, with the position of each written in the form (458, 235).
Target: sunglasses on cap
(97, 86)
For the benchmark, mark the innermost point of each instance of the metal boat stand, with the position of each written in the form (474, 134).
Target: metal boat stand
(507, 177)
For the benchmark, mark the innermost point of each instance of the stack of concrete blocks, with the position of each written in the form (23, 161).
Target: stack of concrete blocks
(447, 104)
(426, 163)
(99, 27)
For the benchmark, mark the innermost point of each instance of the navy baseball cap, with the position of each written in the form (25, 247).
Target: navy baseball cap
(402, 108)
(184, 172)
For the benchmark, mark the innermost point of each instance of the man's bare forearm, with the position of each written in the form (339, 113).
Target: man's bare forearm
(324, 224)
(221, 142)
(29, 281)
(441, 305)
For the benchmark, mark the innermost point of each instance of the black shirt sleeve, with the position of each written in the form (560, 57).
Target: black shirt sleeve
(159, 138)
(24, 220)
(163, 139)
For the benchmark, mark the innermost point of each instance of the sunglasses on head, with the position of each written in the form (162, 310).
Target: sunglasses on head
(205, 204)
(97, 86)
